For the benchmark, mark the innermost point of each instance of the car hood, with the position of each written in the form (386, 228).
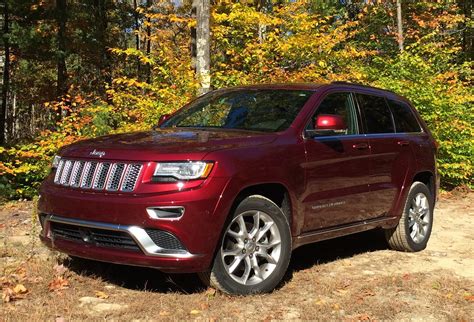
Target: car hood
(164, 144)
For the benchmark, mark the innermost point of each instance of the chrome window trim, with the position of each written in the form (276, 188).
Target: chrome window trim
(139, 234)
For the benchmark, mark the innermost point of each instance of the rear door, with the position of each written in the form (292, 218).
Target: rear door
(390, 153)
(336, 168)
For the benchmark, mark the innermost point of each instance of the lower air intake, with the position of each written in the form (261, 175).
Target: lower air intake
(165, 240)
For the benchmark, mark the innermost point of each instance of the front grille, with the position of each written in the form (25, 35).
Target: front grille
(165, 240)
(94, 236)
(111, 176)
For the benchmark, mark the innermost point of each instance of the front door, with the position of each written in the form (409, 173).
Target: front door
(336, 168)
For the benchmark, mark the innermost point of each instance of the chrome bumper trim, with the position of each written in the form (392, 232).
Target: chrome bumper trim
(140, 236)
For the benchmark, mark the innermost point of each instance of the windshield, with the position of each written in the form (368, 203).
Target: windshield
(257, 110)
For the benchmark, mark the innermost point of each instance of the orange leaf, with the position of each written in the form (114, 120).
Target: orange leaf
(59, 283)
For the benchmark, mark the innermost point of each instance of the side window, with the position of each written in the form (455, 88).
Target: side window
(339, 109)
(378, 117)
(404, 118)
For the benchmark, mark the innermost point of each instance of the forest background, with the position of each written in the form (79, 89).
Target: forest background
(73, 69)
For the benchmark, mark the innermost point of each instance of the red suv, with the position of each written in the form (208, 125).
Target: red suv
(234, 181)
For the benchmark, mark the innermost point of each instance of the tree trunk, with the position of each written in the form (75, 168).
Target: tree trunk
(262, 6)
(105, 71)
(148, 43)
(203, 60)
(193, 37)
(61, 11)
(399, 25)
(6, 74)
(137, 34)
(467, 37)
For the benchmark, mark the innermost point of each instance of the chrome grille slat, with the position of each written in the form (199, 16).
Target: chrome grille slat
(111, 176)
(76, 173)
(88, 175)
(101, 176)
(115, 176)
(66, 173)
(131, 177)
(57, 176)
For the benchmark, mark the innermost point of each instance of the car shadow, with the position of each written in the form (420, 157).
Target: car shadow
(331, 250)
(136, 278)
(152, 280)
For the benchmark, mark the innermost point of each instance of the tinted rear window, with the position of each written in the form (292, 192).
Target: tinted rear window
(404, 118)
(378, 118)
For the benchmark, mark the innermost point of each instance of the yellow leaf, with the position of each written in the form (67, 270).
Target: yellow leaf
(101, 295)
(195, 311)
(20, 289)
(320, 302)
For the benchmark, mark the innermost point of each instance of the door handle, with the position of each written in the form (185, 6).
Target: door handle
(360, 146)
(403, 143)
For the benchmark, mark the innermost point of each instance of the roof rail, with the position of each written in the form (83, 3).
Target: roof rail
(362, 85)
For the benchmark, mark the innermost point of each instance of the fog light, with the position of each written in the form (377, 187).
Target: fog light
(165, 212)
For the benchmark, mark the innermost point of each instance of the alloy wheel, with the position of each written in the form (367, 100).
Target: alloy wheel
(419, 217)
(251, 248)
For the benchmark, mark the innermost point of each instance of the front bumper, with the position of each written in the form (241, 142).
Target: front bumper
(198, 230)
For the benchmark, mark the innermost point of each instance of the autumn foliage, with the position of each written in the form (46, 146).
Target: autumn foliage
(294, 42)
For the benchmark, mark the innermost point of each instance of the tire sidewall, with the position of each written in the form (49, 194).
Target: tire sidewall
(263, 204)
(416, 188)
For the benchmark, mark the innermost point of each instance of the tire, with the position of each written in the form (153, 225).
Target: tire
(414, 228)
(255, 249)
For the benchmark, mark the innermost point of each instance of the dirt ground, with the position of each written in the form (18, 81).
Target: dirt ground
(351, 278)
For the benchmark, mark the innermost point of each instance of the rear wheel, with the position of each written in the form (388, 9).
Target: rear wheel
(414, 228)
(255, 250)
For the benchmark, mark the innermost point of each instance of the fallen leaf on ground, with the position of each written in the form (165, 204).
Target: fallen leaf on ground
(195, 312)
(59, 283)
(469, 298)
(59, 269)
(18, 292)
(210, 292)
(7, 295)
(363, 317)
(101, 295)
(164, 313)
(320, 302)
(20, 289)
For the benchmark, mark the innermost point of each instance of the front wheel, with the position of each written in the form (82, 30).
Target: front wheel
(255, 250)
(414, 228)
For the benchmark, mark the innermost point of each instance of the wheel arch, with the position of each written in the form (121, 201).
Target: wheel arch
(428, 178)
(275, 191)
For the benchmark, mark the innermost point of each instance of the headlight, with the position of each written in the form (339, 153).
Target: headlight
(186, 170)
(55, 162)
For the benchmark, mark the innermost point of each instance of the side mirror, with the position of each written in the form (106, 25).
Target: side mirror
(330, 122)
(163, 118)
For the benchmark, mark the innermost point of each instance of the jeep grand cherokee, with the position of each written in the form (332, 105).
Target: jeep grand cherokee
(234, 181)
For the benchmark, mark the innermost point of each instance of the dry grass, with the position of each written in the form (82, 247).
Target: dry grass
(350, 278)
